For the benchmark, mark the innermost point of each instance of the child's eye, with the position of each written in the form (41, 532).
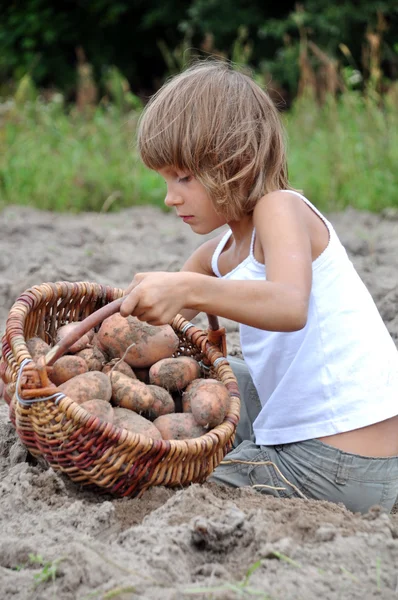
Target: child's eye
(185, 179)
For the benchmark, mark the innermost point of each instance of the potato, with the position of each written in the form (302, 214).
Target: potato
(88, 386)
(99, 408)
(209, 401)
(135, 395)
(94, 358)
(117, 364)
(82, 343)
(186, 402)
(174, 374)
(162, 404)
(67, 367)
(178, 426)
(186, 398)
(130, 393)
(37, 347)
(136, 423)
(146, 344)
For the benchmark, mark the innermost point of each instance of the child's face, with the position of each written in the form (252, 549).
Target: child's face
(191, 201)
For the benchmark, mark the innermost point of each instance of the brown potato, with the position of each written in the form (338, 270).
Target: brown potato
(130, 393)
(88, 386)
(162, 404)
(178, 426)
(82, 343)
(117, 364)
(37, 347)
(99, 408)
(94, 358)
(139, 344)
(174, 374)
(186, 398)
(186, 403)
(209, 401)
(136, 423)
(67, 367)
(149, 400)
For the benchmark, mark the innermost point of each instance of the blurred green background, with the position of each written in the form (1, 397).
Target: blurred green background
(74, 76)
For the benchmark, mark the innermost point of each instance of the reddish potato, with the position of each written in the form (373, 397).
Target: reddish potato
(139, 344)
(178, 426)
(99, 408)
(136, 423)
(209, 401)
(84, 341)
(67, 367)
(174, 374)
(88, 386)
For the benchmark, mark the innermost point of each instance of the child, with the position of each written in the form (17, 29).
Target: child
(324, 367)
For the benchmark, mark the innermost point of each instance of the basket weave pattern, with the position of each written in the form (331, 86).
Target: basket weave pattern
(91, 451)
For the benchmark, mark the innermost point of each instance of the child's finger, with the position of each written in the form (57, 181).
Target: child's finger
(129, 303)
(137, 279)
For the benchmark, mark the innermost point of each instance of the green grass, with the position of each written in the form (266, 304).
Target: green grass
(342, 154)
(345, 153)
(61, 162)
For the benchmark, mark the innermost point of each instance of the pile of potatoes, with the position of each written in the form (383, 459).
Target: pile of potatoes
(125, 374)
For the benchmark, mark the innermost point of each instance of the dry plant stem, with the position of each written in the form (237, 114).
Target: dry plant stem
(84, 326)
(266, 462)
(122, 358)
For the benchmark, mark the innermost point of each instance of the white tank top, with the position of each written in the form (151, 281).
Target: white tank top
(338, 373)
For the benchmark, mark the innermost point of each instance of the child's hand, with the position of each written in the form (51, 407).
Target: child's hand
(155, 297)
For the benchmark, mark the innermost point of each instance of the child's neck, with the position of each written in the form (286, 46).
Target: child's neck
(241, 229)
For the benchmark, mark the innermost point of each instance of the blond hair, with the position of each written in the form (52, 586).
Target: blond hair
(217, 124)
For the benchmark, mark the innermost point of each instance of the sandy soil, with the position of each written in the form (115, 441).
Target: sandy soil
(61, 542)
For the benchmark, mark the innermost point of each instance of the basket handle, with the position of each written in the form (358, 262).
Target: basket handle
(100, 315)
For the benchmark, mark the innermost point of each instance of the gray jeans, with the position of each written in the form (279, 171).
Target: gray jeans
(309, 469)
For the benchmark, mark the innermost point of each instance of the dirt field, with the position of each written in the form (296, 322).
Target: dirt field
(61, 542)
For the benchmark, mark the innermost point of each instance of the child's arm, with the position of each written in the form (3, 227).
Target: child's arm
(278, 304)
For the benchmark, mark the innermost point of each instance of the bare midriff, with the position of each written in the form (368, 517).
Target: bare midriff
(377, 440)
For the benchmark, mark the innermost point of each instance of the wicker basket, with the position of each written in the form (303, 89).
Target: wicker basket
(90, 451)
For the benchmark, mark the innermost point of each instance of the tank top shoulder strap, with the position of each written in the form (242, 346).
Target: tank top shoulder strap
(217, 252)
(314, 209)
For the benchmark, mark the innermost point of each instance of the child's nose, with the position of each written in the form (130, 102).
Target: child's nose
(172, 199)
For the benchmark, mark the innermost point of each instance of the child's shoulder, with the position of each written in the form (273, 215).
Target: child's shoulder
(279, 204)
(284, 204)
(281, 196)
